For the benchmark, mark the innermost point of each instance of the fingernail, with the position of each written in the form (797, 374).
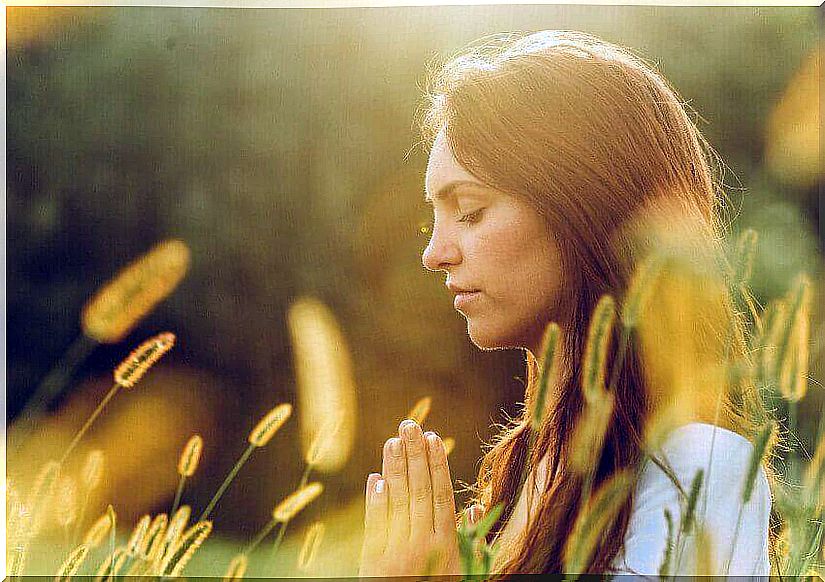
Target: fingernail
(432, 439)
(408, 429)
(379, 486)
(395, 447)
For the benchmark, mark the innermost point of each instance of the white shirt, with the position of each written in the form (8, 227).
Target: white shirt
(688, 449)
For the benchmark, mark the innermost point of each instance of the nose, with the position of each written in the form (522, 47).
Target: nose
(441, 253)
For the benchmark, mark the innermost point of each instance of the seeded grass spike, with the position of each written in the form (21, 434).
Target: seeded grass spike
(309, 549)
(93, 468)
(187, 464)
(550, 348)
(41, 496)
(589, 433)
(258, 437)
(154, 536)
(322, 443)
(325, 378)
(191, 455)
(593, 520)
(97, 533)
(138, 533)
(421, 410)
(765, 437)
(237, 568)
(186, 547)
(122, 302)
(815, 477)
(177, 525)
(449, 445)
(598, 340)
(126, 375)
(65, 510)
(794, 350)
(295, 502)
(72, 564)
(269, 425)
(640, 290)
(133, 368)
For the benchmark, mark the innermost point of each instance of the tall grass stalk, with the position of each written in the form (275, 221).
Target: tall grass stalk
(49, 389)
(287, 509)
(187, 464)
(126, 375)
(760, 446)
(260, 435)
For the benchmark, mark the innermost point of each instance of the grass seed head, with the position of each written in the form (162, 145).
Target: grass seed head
(323, 441)
(421, 410)
(237, 568)
(793, 367)
(97, 533)
(153, 539)
(122, 302)
(42, 494)
(549, 371)
(295, 502)
(309, 549)
(72, 563)
(640, 289)
(594, 519)
(766, 436)
(815, 477)
(269, 425)
(93, 468)
(598, 340)
(173, 532)
(112, 565)
(138, 534)
(190, 457)
(66, 501)
(589, 433)
(185, 548)
(132, 369)
(449, 445)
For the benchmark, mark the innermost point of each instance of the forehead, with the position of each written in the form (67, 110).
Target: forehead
(442, 168)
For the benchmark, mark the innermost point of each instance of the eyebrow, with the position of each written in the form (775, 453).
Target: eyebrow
(449, 189)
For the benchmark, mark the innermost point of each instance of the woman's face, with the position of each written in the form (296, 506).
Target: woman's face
(496, 246)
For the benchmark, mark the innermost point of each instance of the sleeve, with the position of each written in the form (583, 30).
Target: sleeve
(736, 532)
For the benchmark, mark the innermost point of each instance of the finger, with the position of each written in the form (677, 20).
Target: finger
(418, 475)
(395, 473)
(443, 496)
(375, 519)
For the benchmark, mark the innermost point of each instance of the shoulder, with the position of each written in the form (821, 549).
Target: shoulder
(723, 457)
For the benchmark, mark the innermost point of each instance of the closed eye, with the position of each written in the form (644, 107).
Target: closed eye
(472, 217)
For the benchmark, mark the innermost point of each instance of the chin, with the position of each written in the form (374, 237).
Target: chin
(491, 338)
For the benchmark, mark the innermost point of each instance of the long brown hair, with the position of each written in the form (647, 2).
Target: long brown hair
(592, 137)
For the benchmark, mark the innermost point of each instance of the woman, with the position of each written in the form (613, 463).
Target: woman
(545, 151)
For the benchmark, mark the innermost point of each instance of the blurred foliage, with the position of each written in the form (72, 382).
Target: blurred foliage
(280, 145)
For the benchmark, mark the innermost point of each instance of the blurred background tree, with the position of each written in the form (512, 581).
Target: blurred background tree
(280, 145)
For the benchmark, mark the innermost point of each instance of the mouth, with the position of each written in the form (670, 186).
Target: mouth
(464, 298)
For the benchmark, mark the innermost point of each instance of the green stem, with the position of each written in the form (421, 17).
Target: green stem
(260, 537)
(51, 387)
(80, 518)
(226, 482)
(178, 495)
(305, 476)
(112, 391)
(279, 538)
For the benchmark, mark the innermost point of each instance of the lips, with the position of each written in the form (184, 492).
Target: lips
(463, 299)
